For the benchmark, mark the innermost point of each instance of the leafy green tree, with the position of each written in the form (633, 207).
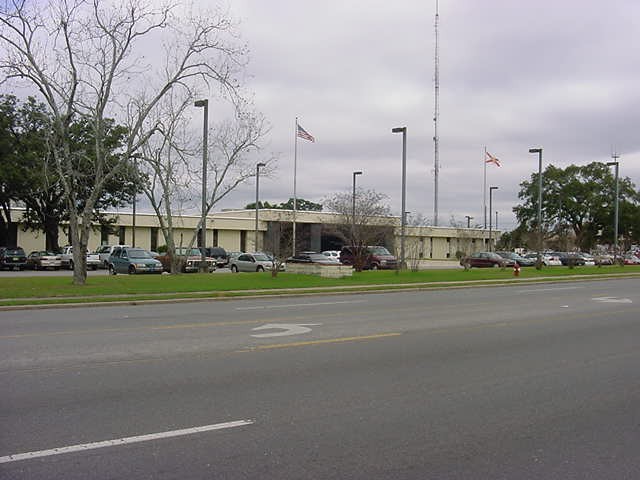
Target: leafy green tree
(29, 176)
(301, 204)
(577, 200)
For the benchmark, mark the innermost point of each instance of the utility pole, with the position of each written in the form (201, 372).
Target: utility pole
(436, 114)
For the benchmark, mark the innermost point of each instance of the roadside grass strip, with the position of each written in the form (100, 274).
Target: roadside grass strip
(20, 291)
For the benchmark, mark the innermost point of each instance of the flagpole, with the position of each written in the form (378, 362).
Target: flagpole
(295, 195)
(484, 191)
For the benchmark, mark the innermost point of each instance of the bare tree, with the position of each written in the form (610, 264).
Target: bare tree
(364, 225)
(169, 159)
(87, 57)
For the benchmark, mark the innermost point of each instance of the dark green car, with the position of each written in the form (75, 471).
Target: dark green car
(133, 260)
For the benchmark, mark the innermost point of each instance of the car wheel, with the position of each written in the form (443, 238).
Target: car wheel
(112, 270)
(70, 264)
(374, 267)
(260, 268)
(94, 267)
(234, 269)
(495, 265)
(132, 270)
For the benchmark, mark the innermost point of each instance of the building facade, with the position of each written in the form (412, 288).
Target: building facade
(235, 230)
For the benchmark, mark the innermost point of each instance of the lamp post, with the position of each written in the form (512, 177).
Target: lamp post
(203, 221)
(403, 217)
(469, 218)
(353, 209)
(539, 152)
(491, 189)
(257, 201)
(615, 221)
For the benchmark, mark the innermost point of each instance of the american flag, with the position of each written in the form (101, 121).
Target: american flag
(302, 133)
(492, 159)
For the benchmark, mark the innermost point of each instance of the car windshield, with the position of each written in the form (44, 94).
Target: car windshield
(47, 254)
(14, 251)
(379, 251)
(261, 257)
(188, 251)
(139, 253)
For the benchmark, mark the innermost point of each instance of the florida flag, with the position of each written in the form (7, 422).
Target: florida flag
(492, 159)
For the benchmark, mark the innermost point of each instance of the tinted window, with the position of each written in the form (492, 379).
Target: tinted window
(14, 251)
(261, 258)
(379, 251)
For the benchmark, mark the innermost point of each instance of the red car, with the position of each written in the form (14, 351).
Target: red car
(631, 260)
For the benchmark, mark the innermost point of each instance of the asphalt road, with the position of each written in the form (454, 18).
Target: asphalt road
(521, 382)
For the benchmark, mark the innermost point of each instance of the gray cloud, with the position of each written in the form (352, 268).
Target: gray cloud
(514, 75)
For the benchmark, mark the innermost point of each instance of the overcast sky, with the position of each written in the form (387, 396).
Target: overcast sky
(563, 75)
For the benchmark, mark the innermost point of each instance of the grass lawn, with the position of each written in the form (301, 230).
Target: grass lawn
(110, 288)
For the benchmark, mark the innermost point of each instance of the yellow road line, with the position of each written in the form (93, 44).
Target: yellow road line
(319, 342)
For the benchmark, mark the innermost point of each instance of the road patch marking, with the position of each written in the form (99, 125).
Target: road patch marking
(320, 342)
(293, 305)
(288, 329)
(612, 300)
(555, 289)
(123, 441)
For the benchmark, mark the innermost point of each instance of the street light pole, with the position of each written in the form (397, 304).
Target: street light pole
(469, 218)
(353, 210)
(255, 241)
(403, 221)
(203, 221)
(539, 152)
(491, 189)
(615, 221)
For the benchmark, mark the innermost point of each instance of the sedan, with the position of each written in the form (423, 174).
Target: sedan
(41, 260)
(486, 259)
(251, 262)
(522, 261)
(311, 257)
(133, 260)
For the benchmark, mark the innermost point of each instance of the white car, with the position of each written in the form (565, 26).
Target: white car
(333, 255)
(548, 260)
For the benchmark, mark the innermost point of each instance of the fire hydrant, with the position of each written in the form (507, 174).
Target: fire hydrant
(516, 270)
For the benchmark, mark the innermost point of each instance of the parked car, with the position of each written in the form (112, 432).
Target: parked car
(105, 251)
(251, 262)
(570, 258)
(589, 260)
(41, 260)
(631, 259)
(190, 259)
(311, 257)
(66, 258)
(12, 258)
(486, 259)
(548, 259)
(219, 254)
(333, 255)
(373, 257)
(522, 261)
(603, 259)
(133, 260)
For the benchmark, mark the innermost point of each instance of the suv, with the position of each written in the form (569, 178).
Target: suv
(373, 257)
(219, 254)
(12, 258)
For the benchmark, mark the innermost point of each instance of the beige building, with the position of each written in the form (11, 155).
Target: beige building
(235, 230)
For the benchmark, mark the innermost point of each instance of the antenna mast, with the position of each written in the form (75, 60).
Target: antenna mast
(436, 114)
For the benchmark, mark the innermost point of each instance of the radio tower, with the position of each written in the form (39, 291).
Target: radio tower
(436, 114)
